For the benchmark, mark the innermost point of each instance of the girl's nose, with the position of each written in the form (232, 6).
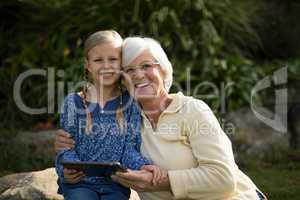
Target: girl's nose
(106, 64)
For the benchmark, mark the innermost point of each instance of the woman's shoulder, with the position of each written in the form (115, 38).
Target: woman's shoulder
(196, 110)
(192, 109)
(197, 104)
(190, 103)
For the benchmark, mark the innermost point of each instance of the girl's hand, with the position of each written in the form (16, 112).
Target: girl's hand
(63, 141)
(159, 174)
(72, 176)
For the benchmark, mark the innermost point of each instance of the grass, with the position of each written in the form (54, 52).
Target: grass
(277, 183)
(278, 179)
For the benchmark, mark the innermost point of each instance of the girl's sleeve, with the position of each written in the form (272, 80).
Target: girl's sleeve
(132, 158)
(68, 122)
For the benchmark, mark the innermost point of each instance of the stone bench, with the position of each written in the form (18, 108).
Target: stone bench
(38, 185)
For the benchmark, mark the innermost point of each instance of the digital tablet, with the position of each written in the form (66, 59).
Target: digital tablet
(95, 168)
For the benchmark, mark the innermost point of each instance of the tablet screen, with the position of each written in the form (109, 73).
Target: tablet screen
(95, 168)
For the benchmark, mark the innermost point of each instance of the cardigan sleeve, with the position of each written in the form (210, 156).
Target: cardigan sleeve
(214, 177)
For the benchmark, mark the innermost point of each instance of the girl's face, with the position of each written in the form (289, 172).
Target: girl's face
(146, 76)
(103, 63)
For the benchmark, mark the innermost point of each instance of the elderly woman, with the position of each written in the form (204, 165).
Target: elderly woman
(179, 133)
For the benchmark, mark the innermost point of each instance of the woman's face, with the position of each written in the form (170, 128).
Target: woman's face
(103, 63)
(146, 77)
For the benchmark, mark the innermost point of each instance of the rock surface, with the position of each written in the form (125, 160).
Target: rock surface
(32, 185)
(252, 136)
(39, 185)
(41, 142)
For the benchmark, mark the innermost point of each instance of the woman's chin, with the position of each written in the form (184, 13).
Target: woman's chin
(143, 94)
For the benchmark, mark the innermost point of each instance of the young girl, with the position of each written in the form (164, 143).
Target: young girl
(103, 121)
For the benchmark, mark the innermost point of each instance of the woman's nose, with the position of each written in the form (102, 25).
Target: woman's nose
(139, 74)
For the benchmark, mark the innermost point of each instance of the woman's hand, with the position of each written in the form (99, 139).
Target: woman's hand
(72, 176)
(141, 181)
(159, 174)
(63, 141)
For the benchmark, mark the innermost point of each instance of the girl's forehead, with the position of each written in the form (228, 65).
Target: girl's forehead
(105, 48)
(109, 45)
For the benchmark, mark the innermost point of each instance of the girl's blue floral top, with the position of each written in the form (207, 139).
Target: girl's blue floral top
(106, 142)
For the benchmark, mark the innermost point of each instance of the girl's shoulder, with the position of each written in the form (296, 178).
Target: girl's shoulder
(129, 102)
(74, 99)
(125, 96)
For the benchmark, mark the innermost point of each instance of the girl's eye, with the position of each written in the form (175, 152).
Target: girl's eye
(98, 60)
(113, 59)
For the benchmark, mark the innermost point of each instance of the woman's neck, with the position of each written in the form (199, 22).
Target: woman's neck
(155, 106)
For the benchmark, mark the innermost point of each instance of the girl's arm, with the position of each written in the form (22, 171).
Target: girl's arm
(68, 122)
(132, 158)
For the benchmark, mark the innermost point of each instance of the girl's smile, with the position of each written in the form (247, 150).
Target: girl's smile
(103, 63)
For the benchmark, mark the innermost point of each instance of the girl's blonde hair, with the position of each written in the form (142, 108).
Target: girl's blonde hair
(99, 38)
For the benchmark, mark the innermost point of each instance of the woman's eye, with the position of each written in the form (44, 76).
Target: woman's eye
(129, 70)
(146, 66)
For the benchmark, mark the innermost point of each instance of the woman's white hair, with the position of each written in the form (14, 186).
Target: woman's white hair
(134, 46)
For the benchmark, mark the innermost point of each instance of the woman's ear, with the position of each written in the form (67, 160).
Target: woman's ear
(162, 73)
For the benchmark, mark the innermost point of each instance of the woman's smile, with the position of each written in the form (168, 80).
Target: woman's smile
(144, 89)
(141, 85)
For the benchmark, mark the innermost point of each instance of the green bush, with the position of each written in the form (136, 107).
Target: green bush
(18, 157)
(208, 37)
